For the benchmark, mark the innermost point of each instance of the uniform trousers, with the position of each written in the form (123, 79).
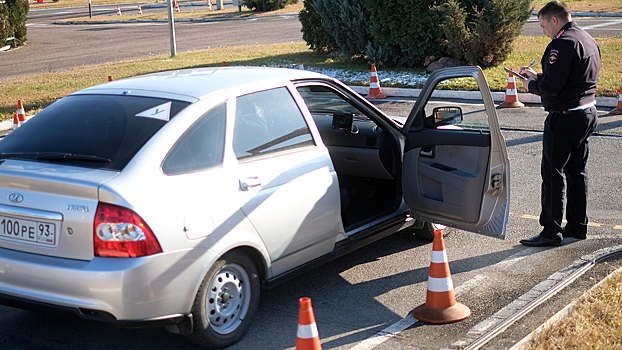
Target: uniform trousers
(564, 155)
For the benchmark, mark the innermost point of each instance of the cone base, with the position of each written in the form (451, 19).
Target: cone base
(511, 104)
(617, 111)
(451, 314)
(375, 97)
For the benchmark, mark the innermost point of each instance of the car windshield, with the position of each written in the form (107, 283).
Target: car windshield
(94, 131)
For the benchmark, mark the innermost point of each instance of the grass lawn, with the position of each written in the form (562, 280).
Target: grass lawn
(40, 90)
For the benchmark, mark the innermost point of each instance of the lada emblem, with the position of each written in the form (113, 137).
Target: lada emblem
(16, 197)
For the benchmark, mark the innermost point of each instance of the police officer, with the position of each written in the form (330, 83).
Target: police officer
(567, 85)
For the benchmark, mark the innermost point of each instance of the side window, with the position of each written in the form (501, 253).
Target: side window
(201, 146)
(473, 115)
(267, 122)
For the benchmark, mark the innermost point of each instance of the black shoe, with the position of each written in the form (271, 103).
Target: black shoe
(539, 241)
(568, 233)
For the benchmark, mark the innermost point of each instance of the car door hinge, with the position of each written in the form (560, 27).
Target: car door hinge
(496, 181)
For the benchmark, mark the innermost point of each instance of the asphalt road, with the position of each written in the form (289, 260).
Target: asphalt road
(362, 301)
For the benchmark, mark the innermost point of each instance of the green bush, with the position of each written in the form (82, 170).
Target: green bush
(267, 5)
(13, 18)
(312, 30)
(5, 28)
(482, 31)
(405, 30)
(348, 22)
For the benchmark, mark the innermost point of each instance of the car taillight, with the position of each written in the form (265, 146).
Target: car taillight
(119, 232)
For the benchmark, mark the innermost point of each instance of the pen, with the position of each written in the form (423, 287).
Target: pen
(531, 64)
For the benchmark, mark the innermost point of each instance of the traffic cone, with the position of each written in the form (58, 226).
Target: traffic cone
(209, 4)
(618, 110)
(21, 115)
(15, 121)
(511, 97)
(374, 86)
(140, 11)
(440, 304)
(118, 11)
(177, 7)
(308, 337)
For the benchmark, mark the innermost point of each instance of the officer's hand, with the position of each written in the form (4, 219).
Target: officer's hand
(528, 72)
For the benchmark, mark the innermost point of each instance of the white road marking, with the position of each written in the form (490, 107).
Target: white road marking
(500, 315)
(609, 23)
(512, 308)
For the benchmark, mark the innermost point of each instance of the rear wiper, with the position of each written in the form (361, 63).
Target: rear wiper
(70, 156)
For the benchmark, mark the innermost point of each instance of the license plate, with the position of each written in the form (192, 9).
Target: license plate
(31, 231)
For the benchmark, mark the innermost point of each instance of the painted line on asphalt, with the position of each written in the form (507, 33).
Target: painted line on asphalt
(609, 23)
(509, 312)
(590, 224)
(409, 321)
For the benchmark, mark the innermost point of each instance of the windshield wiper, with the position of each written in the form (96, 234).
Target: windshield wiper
(71, 157)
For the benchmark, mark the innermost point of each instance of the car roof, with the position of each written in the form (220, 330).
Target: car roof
(193, 84)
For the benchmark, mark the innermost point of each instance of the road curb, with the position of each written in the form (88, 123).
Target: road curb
(560, 314)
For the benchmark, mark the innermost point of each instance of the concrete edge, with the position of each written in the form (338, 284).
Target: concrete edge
(472, 95)
(560, 314)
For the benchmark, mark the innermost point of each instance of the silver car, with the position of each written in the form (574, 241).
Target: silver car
(171, 199)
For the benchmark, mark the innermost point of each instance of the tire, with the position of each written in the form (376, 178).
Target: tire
(226, 302)
(427, 231)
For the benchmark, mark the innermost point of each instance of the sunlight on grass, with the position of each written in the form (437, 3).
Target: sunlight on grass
(40, 90)
(594, 324)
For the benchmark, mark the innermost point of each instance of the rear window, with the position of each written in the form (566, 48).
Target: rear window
(94, 131)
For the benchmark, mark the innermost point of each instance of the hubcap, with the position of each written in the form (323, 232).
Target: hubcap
(228, 298)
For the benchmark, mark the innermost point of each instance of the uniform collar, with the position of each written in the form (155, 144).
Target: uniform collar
(563, 29)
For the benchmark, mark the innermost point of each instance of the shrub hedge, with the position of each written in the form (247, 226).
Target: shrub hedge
(13, 21)
(313, 33)
(406, 33)
(267, 5)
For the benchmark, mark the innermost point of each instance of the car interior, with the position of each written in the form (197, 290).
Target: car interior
(363, 157)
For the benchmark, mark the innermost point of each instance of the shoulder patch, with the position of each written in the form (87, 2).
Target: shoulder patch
(553, 56)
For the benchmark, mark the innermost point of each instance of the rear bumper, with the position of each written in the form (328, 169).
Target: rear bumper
(129, 292)
(94, 315)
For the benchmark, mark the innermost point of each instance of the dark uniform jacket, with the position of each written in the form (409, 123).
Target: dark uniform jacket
(570, 67)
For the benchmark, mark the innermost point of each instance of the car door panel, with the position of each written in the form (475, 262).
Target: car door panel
(457, 177)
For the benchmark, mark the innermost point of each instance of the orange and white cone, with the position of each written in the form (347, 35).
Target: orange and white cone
(209, 4)
(308, 337)
(374, 86)
(21, 115)
(15, 121)
(118, 11)
(140, 11)
(511, 96)
(618, 110)
(440, 304)
(177, 7)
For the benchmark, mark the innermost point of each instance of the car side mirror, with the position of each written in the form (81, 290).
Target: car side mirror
(445, 116)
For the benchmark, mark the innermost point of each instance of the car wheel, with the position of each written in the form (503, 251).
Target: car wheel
(427, 231)
(226, 302)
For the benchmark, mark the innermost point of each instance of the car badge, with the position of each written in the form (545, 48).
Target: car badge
(16, 197)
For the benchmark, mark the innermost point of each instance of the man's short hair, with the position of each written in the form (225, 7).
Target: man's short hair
(555, 9)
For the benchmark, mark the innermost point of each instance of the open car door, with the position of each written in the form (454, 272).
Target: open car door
(456, 169)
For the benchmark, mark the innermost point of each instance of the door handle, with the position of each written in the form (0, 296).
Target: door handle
(427, 151)
(250, 182)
